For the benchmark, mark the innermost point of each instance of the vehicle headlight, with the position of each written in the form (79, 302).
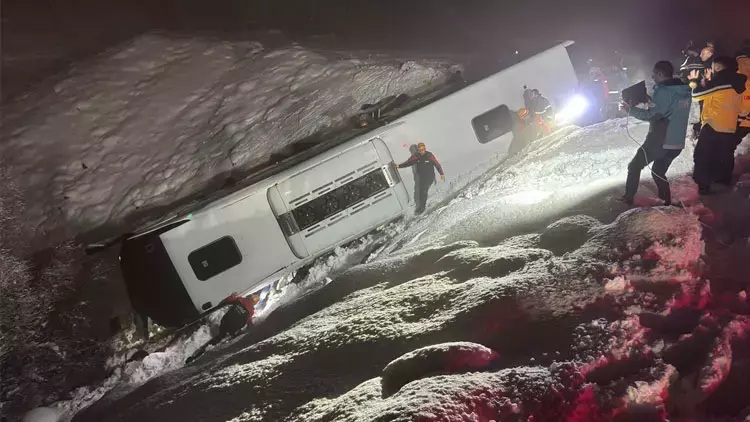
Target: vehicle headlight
(573, 109)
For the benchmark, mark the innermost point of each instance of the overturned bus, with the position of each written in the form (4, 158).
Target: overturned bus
(180, 269)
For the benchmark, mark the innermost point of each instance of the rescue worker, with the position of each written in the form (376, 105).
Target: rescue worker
(426, 163)
(743, 65)
(541, 109)
(238, 316)
(668, 116)
(692, 62)
(706, 59)
(596, 90)
(720, 92)
(707, 55)
(523, 132)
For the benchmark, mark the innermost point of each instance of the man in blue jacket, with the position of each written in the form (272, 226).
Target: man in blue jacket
(668, 115)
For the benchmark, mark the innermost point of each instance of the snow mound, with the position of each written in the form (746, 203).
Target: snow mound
(493, 262)
(42, 414)
(657, 244)
(446, 358)
(526, 241)
(518, 394)
(160, 117)
(567, 234)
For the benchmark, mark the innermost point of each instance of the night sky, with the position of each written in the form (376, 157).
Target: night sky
(41, 37)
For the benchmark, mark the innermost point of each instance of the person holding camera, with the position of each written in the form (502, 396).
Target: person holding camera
(668, 115)
(692, 62)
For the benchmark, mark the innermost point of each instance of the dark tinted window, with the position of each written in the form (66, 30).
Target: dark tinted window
(340, 199)
(215, 258)
(493, 124)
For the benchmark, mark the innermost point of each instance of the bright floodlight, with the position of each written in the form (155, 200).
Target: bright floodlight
(574, 109)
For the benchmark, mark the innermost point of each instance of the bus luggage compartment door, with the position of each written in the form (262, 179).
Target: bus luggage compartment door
(342, 197)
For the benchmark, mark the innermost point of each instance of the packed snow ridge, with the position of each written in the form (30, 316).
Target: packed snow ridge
(543, 336)
(155, 119)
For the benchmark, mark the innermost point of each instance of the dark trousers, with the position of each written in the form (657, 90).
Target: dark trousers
(713, 158)
(231, 323)
(697, 126)
(742, 132)
(728, 171)
(662, 159)
(416, 186)
(421, 189)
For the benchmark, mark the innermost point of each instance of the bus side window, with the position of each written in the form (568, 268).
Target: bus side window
(215, 258)
(337, 200)
(492, 124)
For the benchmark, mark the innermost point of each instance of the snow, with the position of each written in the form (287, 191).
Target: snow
(322, 271)
(411, 299)
(569, 308)
(128, 375)
(559, 173)
(480, 396)
(156, 119)
(451, 358)
(42, 414)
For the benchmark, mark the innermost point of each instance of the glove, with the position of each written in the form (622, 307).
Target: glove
(442, 178)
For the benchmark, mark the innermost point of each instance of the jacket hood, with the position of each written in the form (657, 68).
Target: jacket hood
(728, 77)
(676, 87)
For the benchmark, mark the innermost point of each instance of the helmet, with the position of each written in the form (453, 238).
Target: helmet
(523, 113)
(255, 299)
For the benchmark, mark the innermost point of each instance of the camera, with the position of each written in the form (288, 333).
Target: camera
(635, 94)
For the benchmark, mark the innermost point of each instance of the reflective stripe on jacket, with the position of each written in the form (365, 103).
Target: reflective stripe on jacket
(743, 62)
(721, 100)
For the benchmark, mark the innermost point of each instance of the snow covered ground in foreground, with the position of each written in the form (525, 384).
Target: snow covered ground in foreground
(453, 319)
(153, 120)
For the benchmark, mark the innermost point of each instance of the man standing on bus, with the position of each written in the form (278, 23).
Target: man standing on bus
(426, 163)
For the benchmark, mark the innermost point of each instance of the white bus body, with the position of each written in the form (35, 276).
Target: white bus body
(177, 271)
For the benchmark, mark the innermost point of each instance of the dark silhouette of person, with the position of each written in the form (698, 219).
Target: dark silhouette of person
(425, 163)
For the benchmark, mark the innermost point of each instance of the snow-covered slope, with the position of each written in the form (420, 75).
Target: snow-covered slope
(155, 119)
(577, 320)
(557, 175)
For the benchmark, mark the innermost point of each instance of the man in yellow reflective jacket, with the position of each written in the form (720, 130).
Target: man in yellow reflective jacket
(743, 64)
(720, 92)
